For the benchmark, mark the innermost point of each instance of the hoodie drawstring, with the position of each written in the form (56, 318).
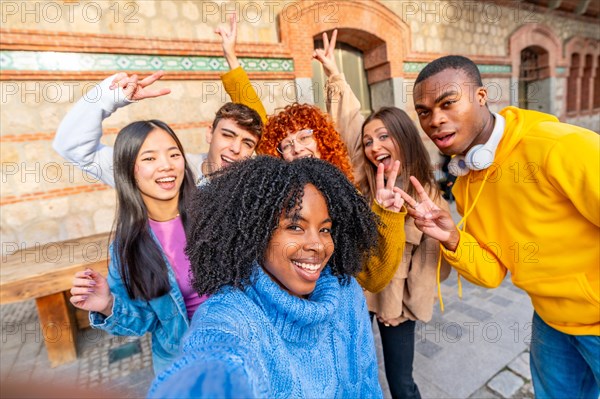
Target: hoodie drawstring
(462, 222)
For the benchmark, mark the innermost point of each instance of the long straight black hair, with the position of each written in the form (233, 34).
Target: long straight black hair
(141, 262)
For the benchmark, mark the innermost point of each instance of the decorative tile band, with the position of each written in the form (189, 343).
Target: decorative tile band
(416, 67)
(494, 68)
(57, 61)
(561, 70)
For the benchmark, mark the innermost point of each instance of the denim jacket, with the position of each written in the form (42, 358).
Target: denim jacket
(165, 317)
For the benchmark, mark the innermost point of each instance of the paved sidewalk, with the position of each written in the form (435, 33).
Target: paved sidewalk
(112, 366)
(477, 348)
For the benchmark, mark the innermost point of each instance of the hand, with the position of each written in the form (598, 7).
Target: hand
(387, 322)
(326, 55)
(135, 89)
(90, 291)
(228, 39)
(388, 196)
(430, 218)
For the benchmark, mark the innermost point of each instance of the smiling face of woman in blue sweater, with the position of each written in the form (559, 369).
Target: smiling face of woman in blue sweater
(301, 245)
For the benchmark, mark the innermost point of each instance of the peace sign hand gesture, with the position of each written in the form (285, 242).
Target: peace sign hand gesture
(430, 218)
(387, 195)
(326, 55)
(136, 90)
(228, 40)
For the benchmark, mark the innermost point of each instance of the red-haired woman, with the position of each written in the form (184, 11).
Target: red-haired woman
(303, 130)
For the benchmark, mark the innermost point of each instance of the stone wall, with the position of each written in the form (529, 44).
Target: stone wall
(478, 28)
(166, 19)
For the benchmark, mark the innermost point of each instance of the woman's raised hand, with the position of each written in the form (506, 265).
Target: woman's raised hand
(326, 55)
(135, 89)
(90, 291)
(387, 195)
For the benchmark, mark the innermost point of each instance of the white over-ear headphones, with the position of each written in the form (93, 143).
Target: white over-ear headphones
(480, 156)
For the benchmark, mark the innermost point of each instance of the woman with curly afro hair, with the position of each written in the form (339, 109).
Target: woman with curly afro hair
(278, 251)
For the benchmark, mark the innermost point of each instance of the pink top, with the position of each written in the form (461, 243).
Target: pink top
(171, 236)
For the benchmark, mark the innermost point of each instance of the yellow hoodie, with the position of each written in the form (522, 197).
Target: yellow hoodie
(538, 216)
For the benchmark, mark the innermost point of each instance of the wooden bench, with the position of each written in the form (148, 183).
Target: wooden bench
(45, 273)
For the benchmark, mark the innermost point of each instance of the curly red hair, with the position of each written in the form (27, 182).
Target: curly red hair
(296, 117)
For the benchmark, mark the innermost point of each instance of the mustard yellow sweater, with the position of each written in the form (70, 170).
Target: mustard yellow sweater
(538, 217)
(381, 267)
(238, 86)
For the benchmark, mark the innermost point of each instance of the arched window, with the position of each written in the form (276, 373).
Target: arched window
(350, 62)
(597, 85)
(572, 83)
(586, 83)
(534, 82)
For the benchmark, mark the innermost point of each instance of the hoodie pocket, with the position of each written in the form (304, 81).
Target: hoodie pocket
(564, 300)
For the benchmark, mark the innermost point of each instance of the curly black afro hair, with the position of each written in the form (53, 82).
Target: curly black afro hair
(234, 215)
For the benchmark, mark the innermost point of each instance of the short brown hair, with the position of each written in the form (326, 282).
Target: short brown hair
(245, 117)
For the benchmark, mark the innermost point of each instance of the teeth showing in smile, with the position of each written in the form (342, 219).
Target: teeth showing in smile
(309, 267)
(229, 160)
(381, 157)
(165, 180)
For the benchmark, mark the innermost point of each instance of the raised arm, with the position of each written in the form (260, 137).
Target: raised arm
(228, 40)
(344, 108)
(78, 136)
(236, 81)
(342, 104)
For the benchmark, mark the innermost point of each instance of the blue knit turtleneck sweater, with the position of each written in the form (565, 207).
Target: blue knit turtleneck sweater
(265, 343)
